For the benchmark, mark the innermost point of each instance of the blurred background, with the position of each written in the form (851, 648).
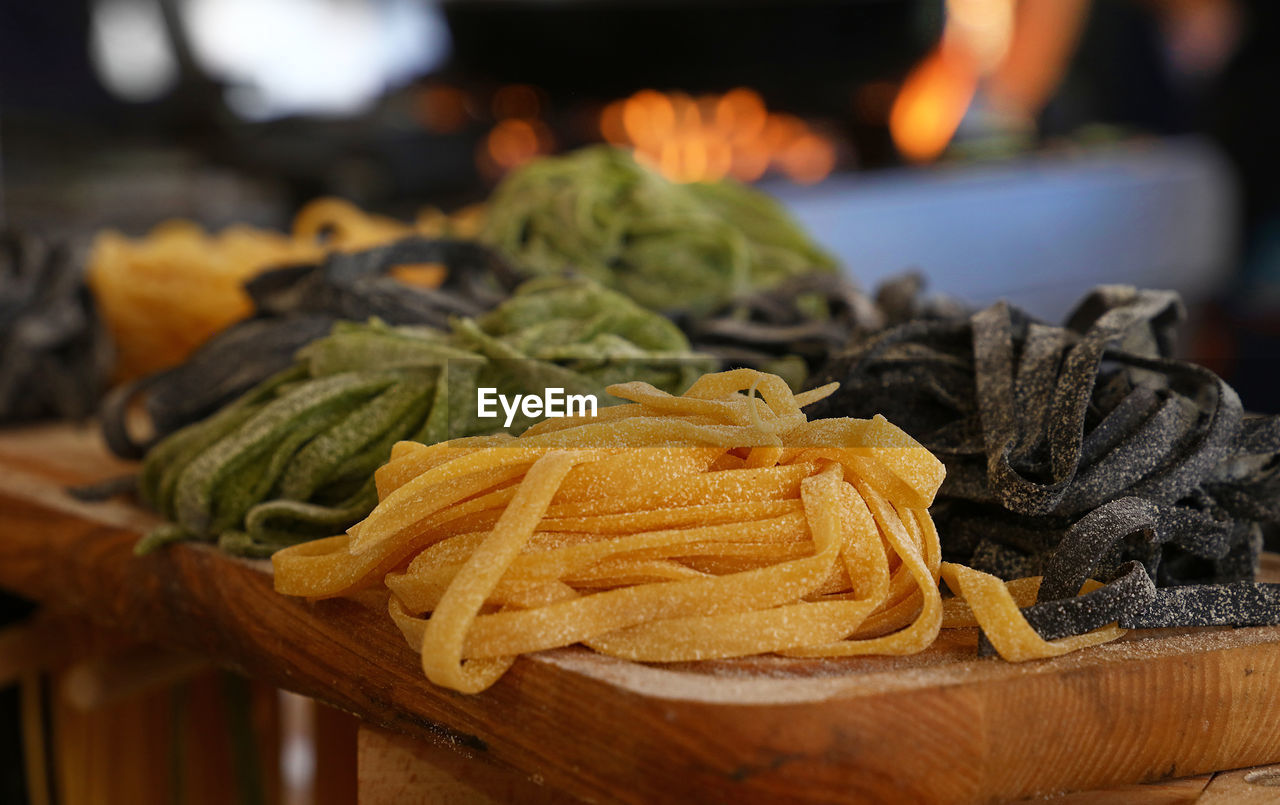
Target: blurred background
(1026, 149)
(1020, 148)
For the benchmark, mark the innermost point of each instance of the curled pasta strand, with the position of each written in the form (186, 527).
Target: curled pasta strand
(713, 524)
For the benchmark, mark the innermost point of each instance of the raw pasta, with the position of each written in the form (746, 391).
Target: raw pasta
(669, 246)
(713, 524)
(165, 294)
(54, 356)
(294, 306)
(1083, 450)
(292, 459)
(793, 329)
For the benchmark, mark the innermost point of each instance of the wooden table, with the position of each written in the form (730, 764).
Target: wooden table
(570, 724)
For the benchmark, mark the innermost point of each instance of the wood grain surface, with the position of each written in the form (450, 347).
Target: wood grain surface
(944, 726)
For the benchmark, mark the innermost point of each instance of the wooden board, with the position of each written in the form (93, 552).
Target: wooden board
(942, 726)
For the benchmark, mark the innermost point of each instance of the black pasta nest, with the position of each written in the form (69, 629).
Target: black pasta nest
(1086, 450)
(807, 318)
(55, 357)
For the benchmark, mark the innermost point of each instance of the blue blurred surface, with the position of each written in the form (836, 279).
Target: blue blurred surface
(1039, 231)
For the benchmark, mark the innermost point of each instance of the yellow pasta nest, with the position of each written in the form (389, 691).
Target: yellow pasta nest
(713, 524)
(165, 294)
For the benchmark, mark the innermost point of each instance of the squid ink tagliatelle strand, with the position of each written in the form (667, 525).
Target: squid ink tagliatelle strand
(1077, 451)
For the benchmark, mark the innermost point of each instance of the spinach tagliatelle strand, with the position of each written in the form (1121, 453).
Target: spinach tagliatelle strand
(669, 246)
(294, 306)
(293, 459)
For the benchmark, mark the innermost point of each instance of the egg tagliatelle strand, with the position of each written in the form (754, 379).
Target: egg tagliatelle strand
(713, 524)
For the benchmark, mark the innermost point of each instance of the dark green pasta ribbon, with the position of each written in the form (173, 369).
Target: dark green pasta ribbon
(294, 306)
(293, 458)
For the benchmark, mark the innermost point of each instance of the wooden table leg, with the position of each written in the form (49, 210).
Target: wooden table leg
(317, 752)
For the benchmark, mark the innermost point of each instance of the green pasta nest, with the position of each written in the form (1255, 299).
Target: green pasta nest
(293, 459)
(671, 247)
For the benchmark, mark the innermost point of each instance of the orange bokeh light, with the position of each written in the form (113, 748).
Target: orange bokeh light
(808, 159)
(741, 113)
(749, 162)
(931, 104)
(712, 136)
(611, 126)
(442, 109)
(516, 100)
(515, 141)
